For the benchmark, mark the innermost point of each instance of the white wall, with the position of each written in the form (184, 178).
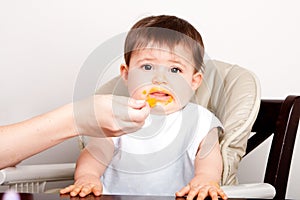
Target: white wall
(43, 45)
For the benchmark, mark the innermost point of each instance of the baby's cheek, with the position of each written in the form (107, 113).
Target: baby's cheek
(138, 79)
(182, 90)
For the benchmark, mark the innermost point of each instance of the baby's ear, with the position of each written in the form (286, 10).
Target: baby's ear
(124, 72)
(197, 80)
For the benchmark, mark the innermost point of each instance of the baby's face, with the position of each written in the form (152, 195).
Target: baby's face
(166, 79)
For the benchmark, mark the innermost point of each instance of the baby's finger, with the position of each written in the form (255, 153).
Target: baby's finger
(67, 189)
(97, 190)
(202, 194)
(75, 191)
(183, 191)
(192, 193)
(213, 193)
(87, 189)
(222, 194)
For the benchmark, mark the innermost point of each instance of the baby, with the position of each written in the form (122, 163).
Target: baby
(177, 150)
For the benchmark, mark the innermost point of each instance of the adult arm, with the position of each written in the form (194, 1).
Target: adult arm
(24, 139)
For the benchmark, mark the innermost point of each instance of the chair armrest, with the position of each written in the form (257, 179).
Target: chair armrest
(252, 190)
(37, 173)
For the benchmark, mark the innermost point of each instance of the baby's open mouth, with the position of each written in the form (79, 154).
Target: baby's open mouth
(157, 95)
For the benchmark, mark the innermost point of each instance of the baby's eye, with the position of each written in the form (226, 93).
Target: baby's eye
(147, 67)
(176, 70)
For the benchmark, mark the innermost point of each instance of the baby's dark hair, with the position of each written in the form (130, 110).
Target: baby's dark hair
(164, 30)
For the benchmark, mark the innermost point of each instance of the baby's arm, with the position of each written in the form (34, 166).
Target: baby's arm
(208, 170)
(89, 168)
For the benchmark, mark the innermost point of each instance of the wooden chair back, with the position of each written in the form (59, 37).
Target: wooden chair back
(279, 118)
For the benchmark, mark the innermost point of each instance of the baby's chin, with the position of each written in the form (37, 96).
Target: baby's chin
(161, 108)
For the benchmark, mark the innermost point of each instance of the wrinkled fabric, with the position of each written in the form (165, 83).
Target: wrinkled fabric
(233, 94)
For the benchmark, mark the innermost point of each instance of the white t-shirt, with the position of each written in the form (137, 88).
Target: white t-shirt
(159, 158)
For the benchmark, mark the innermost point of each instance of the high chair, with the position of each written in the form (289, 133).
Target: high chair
(233, 94)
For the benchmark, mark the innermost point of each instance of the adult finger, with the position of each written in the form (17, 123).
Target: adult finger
(139, 115)
(136, 104)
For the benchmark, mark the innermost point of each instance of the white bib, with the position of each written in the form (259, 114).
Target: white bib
(159, 158)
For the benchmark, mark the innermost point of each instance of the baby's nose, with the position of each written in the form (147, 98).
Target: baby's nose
(159, 78)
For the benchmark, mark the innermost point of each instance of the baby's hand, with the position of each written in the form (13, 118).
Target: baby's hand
(84, 186)
(202, 190)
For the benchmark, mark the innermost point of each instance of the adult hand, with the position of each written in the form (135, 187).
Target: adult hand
(109, 115)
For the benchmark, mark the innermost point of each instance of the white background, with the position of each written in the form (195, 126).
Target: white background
(43, 45)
